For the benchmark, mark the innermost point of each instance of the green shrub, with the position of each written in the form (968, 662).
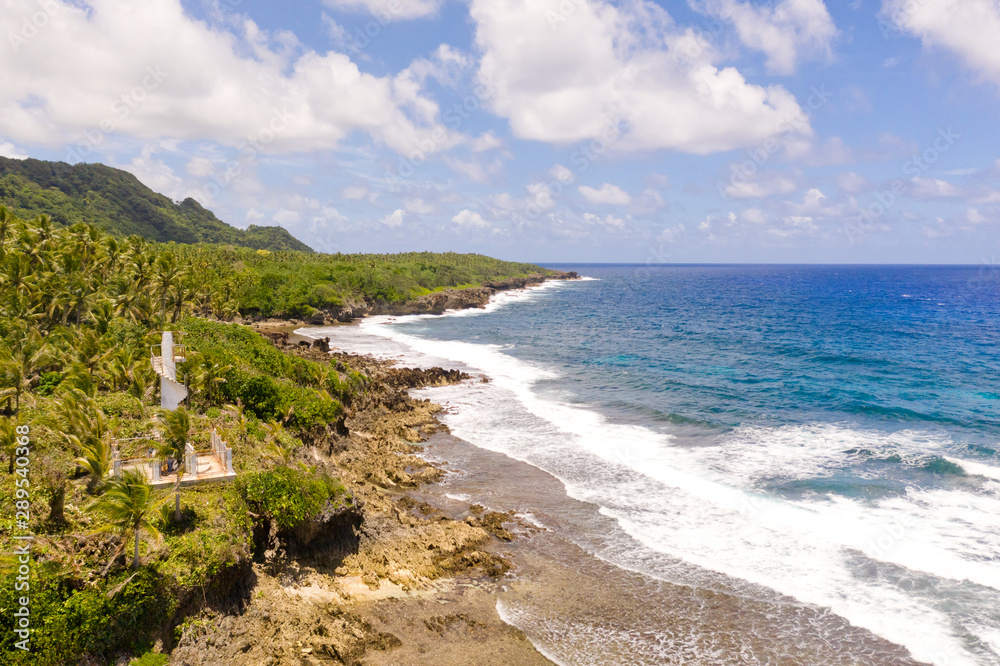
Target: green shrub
(287, 496)
(48, 381)
(121, 405)
(260, 394)
(310, 409)
(70, 624)
(151, 659)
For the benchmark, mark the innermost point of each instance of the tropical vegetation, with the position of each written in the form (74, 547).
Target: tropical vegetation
(116, 202)
(79, 311)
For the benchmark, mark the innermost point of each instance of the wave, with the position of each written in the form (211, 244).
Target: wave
(876, 562)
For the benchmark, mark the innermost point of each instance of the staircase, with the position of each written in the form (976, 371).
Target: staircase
(172, 391)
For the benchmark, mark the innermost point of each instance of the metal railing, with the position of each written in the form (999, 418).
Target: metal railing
(179, 356)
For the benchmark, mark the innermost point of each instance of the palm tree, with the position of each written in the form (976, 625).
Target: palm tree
(176, 427)
(96, 460)
(91, 351)
(5, 221)
(19, 362)
(241, 419)
(90, 432)
(275, 451)
(129, 505)
(210, 375)
(168, 271)
(8, 439)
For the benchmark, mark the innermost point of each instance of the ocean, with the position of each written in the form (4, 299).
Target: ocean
(745, 464)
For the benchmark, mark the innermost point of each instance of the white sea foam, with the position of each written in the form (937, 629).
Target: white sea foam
(977, 468)
(705, 505)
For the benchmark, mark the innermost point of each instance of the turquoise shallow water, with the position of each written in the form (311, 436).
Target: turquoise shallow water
(723, 346)
(826, 433)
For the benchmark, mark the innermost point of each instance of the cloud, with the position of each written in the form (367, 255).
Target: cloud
(354, 192)
(967, 28)
(470, 219)
(754, 216)
(418, 206)
(817, 205)
(764, 184)
(785, 32)
(619, 74)
(933, 188)
(395, 218)
(388, 10)
(474, 170)
(159, 177)
(854, 183)
(540, 195)
(149, 71)
(607, 194)
(975, 216)
(561, 173)
(487, 141)
(7, 149)
(670, 234)
(200, 167)
(286, 217)
(608, 222)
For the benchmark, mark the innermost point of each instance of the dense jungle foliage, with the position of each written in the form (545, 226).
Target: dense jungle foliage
(115, 563)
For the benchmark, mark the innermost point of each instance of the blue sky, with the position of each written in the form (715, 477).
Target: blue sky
(542, 130)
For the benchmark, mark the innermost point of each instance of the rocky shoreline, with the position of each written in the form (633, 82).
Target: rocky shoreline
(398, 581)
(433, 303)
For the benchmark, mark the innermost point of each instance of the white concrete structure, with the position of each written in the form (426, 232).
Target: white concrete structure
(172, 391)
(222, 451)
(208, 466)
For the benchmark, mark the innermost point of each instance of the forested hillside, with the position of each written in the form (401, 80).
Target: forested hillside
(116, 202)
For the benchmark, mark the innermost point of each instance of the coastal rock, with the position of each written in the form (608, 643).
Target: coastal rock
(328, 591)
(434, 303)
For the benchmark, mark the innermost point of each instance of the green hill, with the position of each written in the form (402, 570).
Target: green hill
(117, 202)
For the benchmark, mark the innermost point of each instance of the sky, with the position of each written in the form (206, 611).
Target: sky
(779, 131)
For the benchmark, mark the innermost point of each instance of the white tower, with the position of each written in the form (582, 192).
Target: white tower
(172, 392)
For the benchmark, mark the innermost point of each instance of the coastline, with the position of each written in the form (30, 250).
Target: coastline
(435, 579)
(704, 619)
(411, 584)
(437, 302)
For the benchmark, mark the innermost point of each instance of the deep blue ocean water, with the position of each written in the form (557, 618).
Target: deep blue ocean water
(830, 433)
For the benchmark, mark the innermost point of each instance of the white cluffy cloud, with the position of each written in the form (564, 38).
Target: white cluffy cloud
(395, 218)
(607, 194)
(470, 219)
(132, 79)
(8, 150)
(968, 28)
(786, 32)
(389, 10)
(567, 71)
